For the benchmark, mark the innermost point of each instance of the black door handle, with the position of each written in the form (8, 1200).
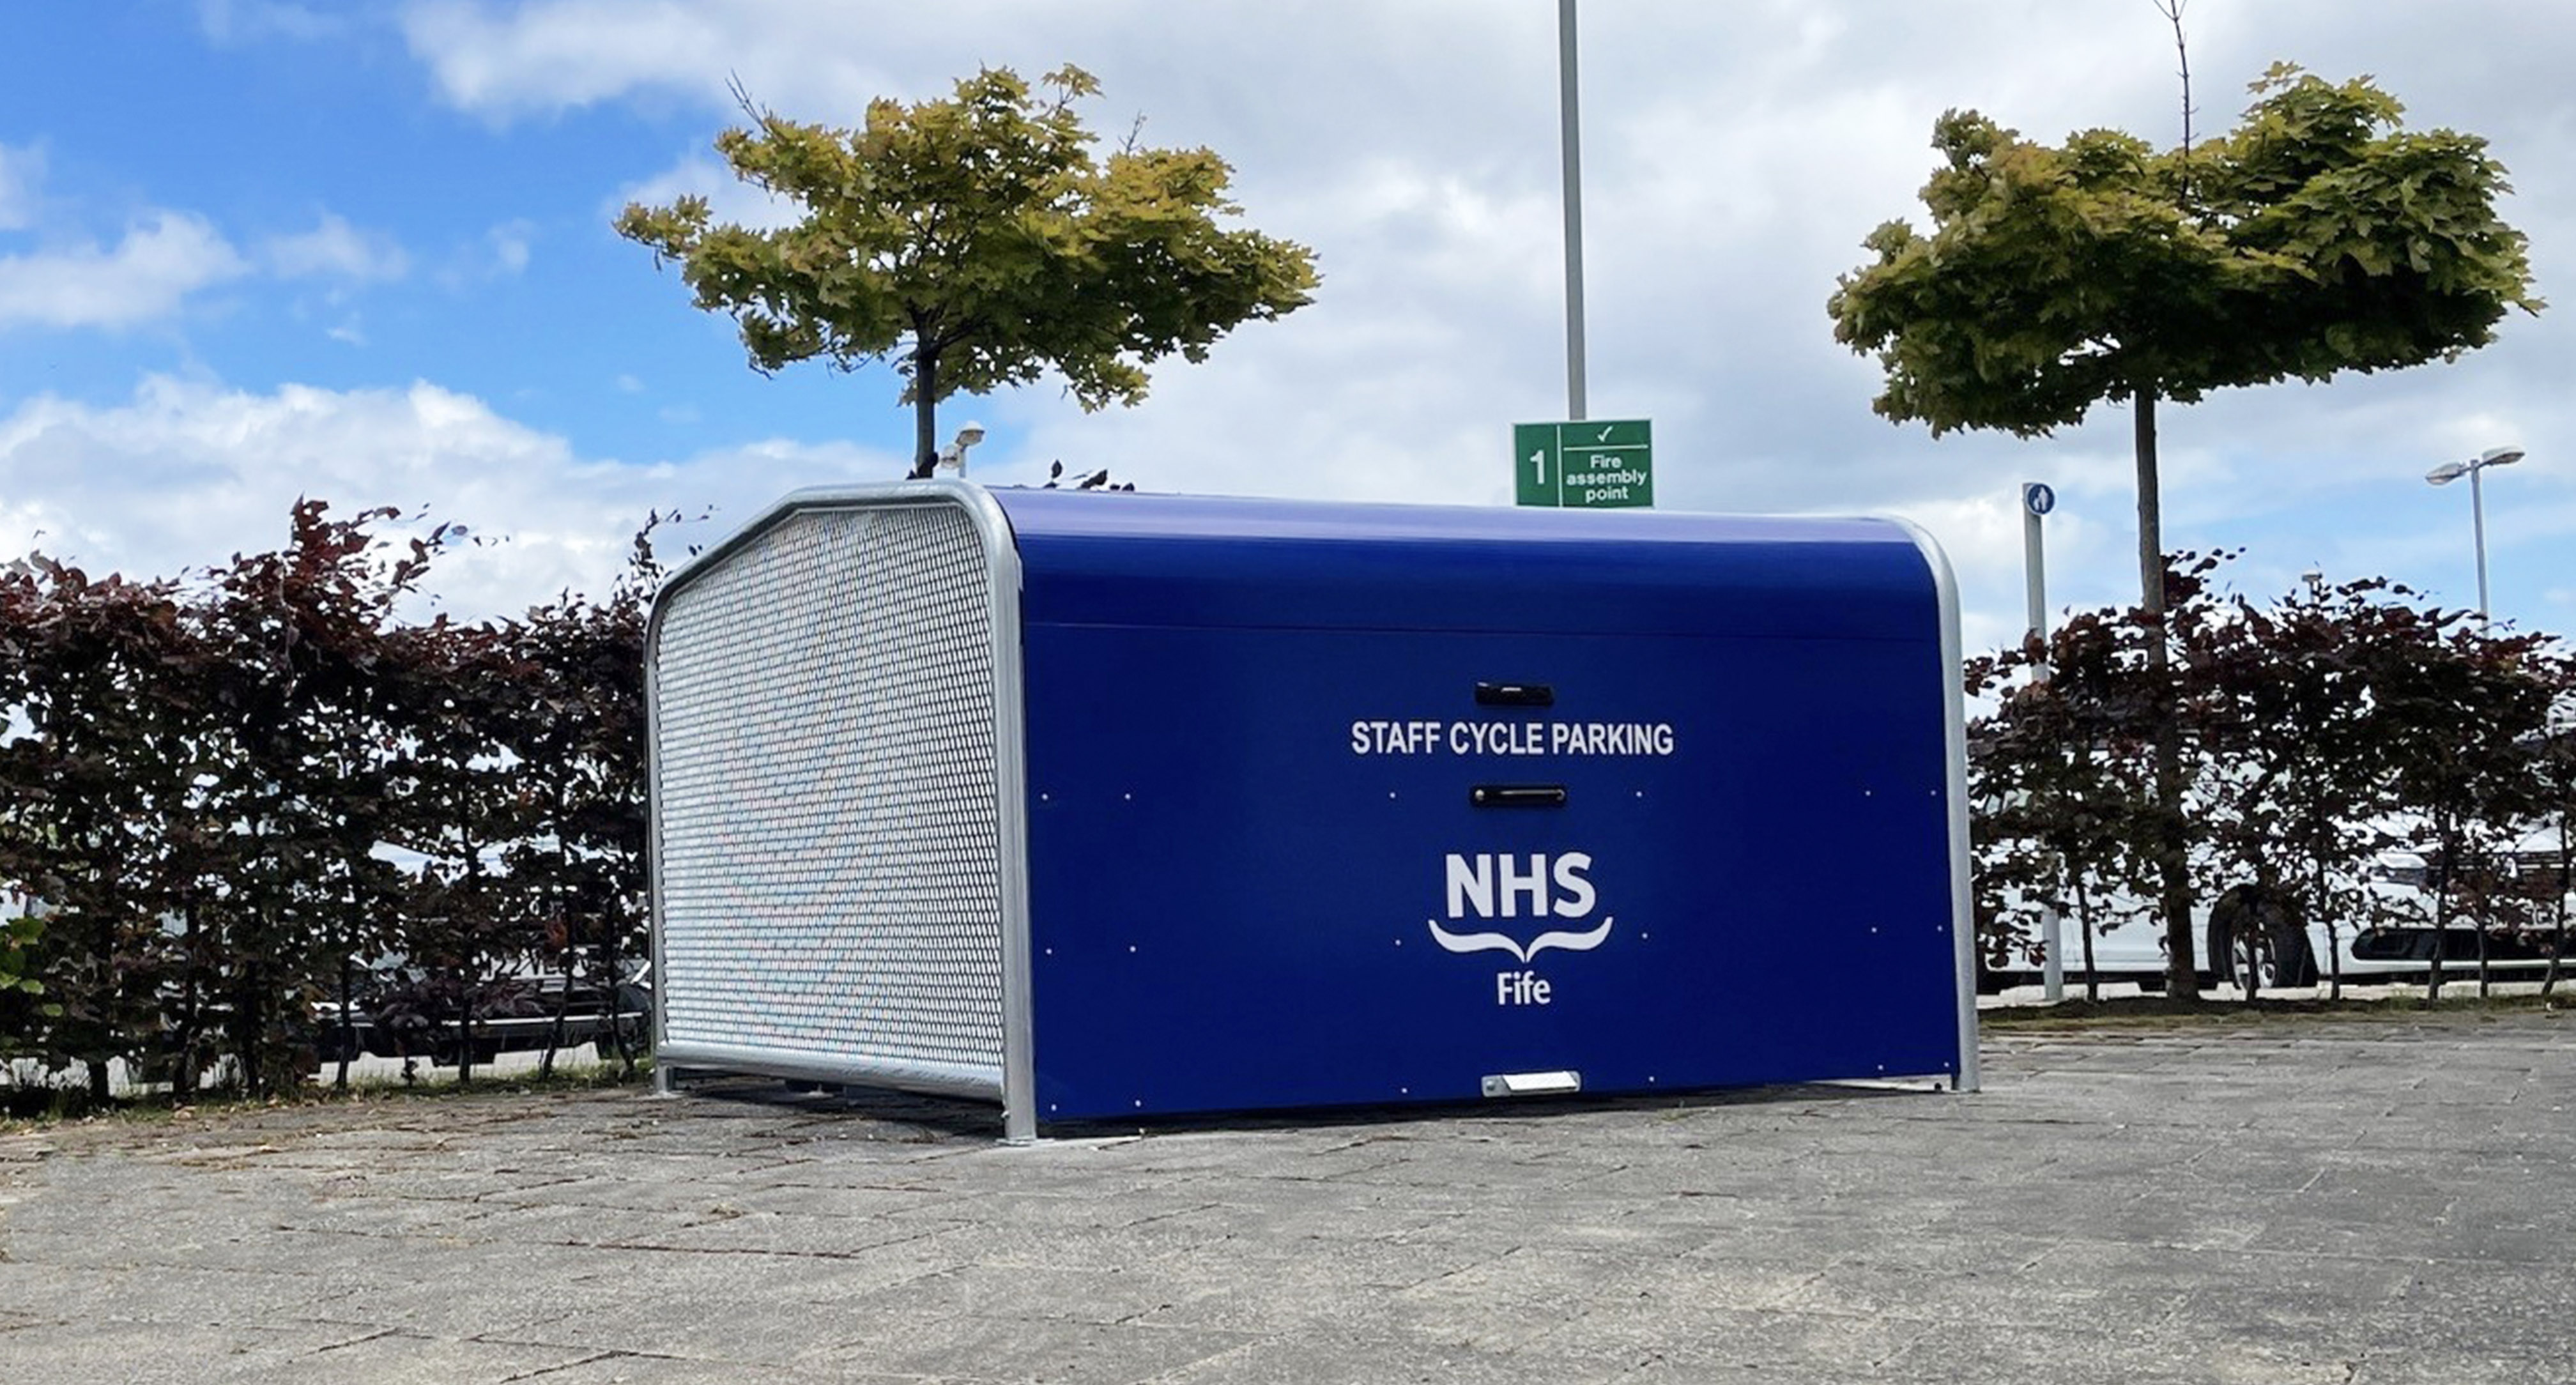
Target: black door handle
(1517, 795)
(1515, 695)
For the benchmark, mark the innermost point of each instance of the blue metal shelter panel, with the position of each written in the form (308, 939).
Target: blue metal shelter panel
(1258, 878)
(1224, 562)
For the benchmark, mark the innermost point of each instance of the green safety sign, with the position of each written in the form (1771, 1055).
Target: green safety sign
(1600, 464)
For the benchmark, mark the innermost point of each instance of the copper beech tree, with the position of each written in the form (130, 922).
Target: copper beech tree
(2317, 731)
(233, 801)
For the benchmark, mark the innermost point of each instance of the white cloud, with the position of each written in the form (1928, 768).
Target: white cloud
(186, 473)
(238, 21)
(22, 172)
(503, 251)
(511, 243)
(146, 275)
(729, 199)
(165, 257)
(334, 249)
(524, 59)
(1734, 155)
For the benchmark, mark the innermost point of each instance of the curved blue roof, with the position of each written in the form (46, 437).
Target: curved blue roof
(1180, 560)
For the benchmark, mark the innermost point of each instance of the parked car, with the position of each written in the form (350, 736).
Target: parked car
(2247, 935)
(406, 1012)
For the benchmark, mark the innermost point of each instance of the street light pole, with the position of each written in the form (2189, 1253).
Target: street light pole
(1571, 133)
(954, 455)
(2448, 472)
(2478, 532)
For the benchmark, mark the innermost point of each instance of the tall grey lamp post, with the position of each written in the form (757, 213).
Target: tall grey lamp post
(954, 455)
(1569, 122)
(2448, 472)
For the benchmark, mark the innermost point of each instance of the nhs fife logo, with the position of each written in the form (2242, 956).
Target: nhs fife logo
(1502, 886)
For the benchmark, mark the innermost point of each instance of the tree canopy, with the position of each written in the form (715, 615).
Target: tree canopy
(2315, 238)
(240, 805)
(978, 241)
(2320, 730)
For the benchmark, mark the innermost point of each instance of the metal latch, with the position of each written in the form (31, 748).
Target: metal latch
(1533, 1083)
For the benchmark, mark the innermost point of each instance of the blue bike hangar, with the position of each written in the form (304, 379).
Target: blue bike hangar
(1124, 805)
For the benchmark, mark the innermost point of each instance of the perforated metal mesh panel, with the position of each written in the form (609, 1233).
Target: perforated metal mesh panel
(829, 871)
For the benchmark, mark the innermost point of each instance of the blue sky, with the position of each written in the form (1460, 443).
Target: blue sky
(353, 230)
(251, 250)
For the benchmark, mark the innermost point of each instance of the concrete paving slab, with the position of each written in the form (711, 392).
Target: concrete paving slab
(1017, 1349)
(99, 1348)
(746, 1332)
(1387, 1360)
(397, 1358)
(2354, 1202)
(633, 1368)
(1771, 1344)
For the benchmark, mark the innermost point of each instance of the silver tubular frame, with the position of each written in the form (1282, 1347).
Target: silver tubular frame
(1954, 713)
(1014, 1086)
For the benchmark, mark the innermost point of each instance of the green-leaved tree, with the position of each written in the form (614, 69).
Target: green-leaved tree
(2058, 796)
(2315, 238)
(975, 242)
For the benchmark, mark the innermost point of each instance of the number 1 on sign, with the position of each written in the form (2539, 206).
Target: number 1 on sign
(1538, 463)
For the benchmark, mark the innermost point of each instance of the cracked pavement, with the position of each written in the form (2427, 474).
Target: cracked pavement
(2338, 1201)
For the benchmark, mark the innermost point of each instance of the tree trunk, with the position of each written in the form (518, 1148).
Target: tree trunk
(2441, 918)
(469, 994)
(2557, 953)
(611, 964)
(103, 948)
(2334, 939)
(2173, 868)
(2266, 943)
(2084, 930)
(251, 1020)
(183, 1074)
(348, 1024)
(2486, 972)
(563, 916)
(925, 410)
(2151, 524)
(2558, 916)
(568, 966)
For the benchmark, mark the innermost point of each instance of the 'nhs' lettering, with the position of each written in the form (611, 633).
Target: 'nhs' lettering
(1499, 886)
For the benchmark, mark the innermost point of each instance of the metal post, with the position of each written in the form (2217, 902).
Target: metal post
(2052, 961)
(2034, 562)
(2478, 524)
(1573, 142)
(2037, 500)
(2448, 472)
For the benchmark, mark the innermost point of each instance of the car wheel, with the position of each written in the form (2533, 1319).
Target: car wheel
(2248, 961)
(2245, 934)
(2293, 963)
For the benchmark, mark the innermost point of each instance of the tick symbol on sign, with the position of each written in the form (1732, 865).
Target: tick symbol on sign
(1605, 432)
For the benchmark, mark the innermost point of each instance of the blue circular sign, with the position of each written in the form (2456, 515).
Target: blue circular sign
(2038, 497)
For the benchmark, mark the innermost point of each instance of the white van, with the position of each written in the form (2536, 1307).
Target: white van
(2240, 932)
